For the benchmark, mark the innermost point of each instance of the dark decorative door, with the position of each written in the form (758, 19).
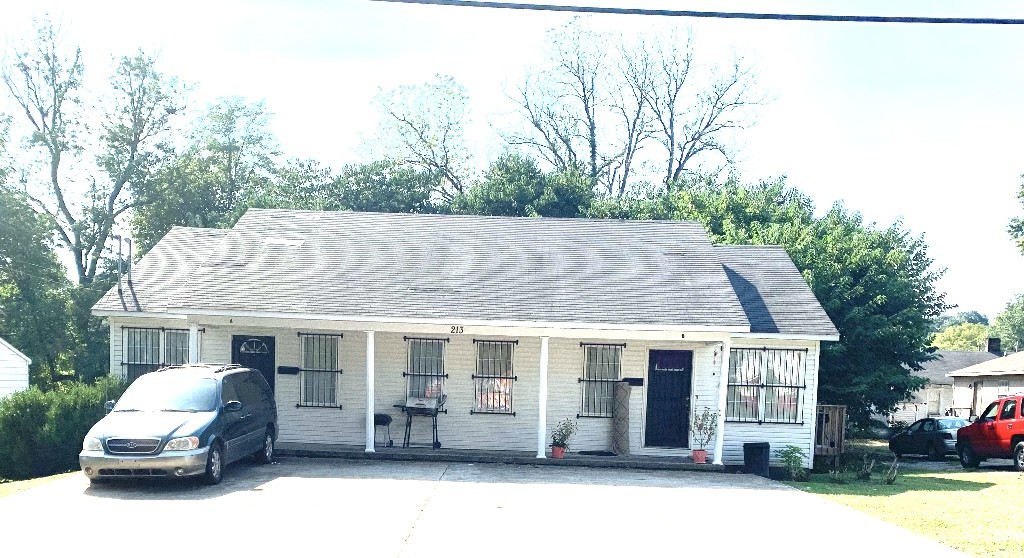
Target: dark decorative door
(668, 398)
(254, 352)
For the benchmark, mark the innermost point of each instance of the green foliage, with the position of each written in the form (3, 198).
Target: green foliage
(41, 432)
(35, 295)
(386, 186)
(515, 186)
(966, 317)
(793, 460)
(703, 427)
(1009, 325)
(563, 432)
(962, 337)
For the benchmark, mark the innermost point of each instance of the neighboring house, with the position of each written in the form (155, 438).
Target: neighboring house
(13, 369)
(936, 398)
(976, 386)
(519, 322)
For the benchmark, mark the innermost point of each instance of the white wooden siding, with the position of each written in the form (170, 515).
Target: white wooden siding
(13, 371)
(988, 389)
(458, 428)
(778, 435)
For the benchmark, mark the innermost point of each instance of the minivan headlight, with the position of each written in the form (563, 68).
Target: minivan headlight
(92, 444)
(178, 444)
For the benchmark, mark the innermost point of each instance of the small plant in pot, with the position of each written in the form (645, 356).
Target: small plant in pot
(703, 430)
(560, 437)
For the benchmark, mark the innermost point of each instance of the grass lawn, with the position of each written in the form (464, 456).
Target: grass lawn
(977, 512)
(11, 487)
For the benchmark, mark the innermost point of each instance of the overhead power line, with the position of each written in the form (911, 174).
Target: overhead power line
(716, 15)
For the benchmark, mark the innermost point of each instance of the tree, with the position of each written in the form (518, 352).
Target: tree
(231, 159)
(87, 179)
(515, 186)
(1009, 325)
(876, 284)
(966, 317)
(962, 337)
(35, 295)
(387, 186)
(602, 100)
(424, 126)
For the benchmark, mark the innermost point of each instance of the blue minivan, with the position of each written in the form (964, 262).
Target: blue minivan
(184, 421)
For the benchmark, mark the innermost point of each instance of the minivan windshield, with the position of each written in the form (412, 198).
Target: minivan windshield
(169, 392)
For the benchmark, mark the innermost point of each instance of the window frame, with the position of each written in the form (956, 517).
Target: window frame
(412, 373)
(600, 389)
(757, 387)
(159, 356)
(494, 382)
(330, 397)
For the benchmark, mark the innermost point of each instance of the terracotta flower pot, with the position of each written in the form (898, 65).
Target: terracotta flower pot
(700, 456)
(557, 452)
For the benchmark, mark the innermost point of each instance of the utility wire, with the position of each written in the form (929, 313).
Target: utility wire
(715, 15)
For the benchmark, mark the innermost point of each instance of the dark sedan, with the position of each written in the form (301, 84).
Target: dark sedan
(934, 437)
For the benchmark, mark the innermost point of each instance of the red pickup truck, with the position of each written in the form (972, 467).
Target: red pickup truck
(998, 432)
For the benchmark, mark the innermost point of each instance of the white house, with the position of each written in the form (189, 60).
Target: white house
(518, 322)
(976, 386)
(13, 369)
(936, 398)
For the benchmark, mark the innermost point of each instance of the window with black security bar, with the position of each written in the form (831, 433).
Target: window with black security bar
(766, 385)
(148, 349)
(602, 367)
(492, 383)
(426, 368)
(320, 374)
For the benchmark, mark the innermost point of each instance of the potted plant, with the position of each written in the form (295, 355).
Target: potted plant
(560, 437)
(703, 430)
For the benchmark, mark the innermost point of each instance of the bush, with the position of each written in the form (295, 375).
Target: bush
(41, 432)
(793, 460)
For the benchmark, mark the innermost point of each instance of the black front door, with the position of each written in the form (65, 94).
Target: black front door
(668, 398)
(254, 352)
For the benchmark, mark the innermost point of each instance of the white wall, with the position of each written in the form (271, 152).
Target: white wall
(458, 428)
(13, 371)
(988, 390)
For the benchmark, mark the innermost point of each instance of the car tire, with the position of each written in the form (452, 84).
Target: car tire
(1018, 457)
(214, 465)
(936, 452)
(968, 459)
(265, 455)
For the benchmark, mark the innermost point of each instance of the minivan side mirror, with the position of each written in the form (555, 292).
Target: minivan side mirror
(233, 406)
(109, 406)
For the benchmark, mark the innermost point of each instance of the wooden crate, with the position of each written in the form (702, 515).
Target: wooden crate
(830, 434)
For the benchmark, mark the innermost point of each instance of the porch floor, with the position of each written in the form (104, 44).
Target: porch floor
(423, 453)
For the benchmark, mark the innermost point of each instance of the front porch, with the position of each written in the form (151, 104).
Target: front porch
(572, 459)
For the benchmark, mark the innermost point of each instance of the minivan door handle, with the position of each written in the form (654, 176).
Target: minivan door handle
(245, 416)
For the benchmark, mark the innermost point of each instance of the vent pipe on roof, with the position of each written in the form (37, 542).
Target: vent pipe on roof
(118, 238)
(994, 346)
(129, 241)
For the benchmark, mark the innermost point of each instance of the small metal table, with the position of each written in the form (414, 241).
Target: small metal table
(422, 407)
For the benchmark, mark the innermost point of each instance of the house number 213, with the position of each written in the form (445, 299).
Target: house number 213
(456, 329)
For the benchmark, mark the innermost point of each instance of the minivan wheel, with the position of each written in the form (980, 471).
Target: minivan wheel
(266, 454)
(1018, 456)
(214, 465)
(968, 460)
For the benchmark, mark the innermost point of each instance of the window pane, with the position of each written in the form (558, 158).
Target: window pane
(175, 346)
(493, 378)
(426, 368)
(320, 370)
(142, 351)
(602, 367)
(765, 385)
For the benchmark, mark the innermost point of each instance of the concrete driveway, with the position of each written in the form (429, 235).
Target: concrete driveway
(329, 507)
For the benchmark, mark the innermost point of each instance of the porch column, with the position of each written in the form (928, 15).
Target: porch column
(542, 400)
(723, 396)
(193, 343)
(369, 392)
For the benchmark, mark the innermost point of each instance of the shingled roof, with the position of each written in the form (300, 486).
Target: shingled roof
(374, 265)
(937, 371)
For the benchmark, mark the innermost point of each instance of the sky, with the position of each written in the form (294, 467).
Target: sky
(916, 124)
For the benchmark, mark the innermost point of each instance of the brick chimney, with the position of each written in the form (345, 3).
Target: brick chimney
(993, 346)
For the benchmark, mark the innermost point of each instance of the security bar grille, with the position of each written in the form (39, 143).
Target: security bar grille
(492, 383)
(602, 367)
(426, 367)
(766, 385)
(321, 371)
(147, 349)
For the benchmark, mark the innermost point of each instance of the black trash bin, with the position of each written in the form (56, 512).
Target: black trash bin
(755, 458)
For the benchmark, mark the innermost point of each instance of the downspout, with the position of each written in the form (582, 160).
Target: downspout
(723, 393)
